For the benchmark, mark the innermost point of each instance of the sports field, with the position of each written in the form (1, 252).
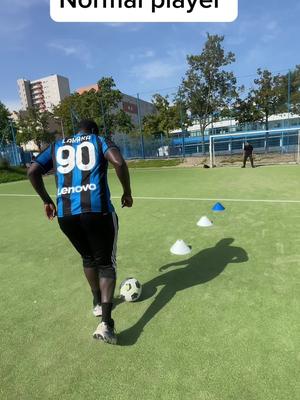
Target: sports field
(223, 323)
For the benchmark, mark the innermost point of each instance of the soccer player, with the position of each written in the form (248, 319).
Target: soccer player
(84, 210)
(248, 150)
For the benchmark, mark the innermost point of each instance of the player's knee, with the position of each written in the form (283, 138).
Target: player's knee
(107, 271)
(88, 262)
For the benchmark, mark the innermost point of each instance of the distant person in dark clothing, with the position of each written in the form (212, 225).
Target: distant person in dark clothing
(248, 153)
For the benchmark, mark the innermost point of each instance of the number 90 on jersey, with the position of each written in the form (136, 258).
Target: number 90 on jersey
(68, 157)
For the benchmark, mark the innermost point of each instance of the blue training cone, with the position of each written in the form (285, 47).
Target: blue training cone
(218, 207)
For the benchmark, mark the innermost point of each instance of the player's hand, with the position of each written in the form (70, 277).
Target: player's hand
(50, 211)
(126, 200)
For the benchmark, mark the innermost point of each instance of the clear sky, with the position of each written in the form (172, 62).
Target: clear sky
(142, 58)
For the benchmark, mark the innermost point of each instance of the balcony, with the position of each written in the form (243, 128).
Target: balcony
(36, 91)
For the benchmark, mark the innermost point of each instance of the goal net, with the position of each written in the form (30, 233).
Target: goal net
(270, 147)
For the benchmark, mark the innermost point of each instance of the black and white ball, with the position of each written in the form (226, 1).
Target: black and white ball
(130, 289)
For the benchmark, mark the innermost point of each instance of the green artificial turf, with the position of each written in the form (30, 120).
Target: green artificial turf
(220, 324)
(154, 163)
(11, 174)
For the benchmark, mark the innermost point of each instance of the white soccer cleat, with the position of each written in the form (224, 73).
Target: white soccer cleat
(97, 311)
(106, 333)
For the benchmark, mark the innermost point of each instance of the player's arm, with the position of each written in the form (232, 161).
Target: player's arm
(114, 156)
(42, 164)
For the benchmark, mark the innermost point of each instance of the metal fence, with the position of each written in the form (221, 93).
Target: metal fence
(141, 147)
(160, 147)
(272, 146)
(278, 145)
(12, 154)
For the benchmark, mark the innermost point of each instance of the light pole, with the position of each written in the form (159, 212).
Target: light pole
(140, 125)
(61, 126)
(15, 151)
(289, 98)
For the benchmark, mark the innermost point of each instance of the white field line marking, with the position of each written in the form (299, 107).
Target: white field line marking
(175, 198)
(214, 199)
(17, 195)
(14, 182)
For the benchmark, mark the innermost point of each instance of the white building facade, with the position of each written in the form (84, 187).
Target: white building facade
(44, 93)
(226, 126)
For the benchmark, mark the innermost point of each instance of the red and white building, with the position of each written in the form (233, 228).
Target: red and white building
(43, 93)
(129, 104)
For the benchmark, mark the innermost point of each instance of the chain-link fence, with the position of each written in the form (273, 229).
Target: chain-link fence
(184, 137)
(12, 154)
(274, 146)
(146, 147)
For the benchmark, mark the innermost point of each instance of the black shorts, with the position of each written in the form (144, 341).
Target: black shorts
(94, 236)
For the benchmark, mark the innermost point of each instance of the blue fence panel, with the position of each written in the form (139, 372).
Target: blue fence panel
(183, 145)
(11, 153)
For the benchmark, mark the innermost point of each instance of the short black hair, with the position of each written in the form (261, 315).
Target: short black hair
(88, 125)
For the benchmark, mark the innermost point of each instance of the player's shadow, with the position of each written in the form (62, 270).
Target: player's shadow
(200, 268)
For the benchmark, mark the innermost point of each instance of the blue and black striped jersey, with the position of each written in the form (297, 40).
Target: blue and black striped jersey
(80, 172)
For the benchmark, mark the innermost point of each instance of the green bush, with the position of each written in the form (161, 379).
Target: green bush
(11, 174)
(4, 164)
(155, 163)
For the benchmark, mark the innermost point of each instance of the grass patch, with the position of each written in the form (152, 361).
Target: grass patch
(11, 174)
(219, 324)
(154, 163)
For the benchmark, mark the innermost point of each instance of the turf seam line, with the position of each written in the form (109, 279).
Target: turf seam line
(175, 198)
(214, 199)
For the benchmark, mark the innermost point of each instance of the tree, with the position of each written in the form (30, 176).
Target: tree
(262, 101)
(289, 91)
(208, 89)
(111, 117)
(4, 122)
(266, 95)
(246, 110)
(64, 112)
(101, 105)
(167, 118)
(34, 125)
(123, 122)
(151, 125)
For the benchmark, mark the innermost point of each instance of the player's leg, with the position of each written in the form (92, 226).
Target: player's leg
(251, 160)
(102, 233)
(72, 228)
(106, 258)
(244, 161)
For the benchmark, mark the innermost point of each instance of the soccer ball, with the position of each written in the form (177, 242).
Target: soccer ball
(130, 289)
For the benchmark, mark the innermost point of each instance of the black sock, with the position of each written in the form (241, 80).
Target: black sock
(96, 297)
(106, 313)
